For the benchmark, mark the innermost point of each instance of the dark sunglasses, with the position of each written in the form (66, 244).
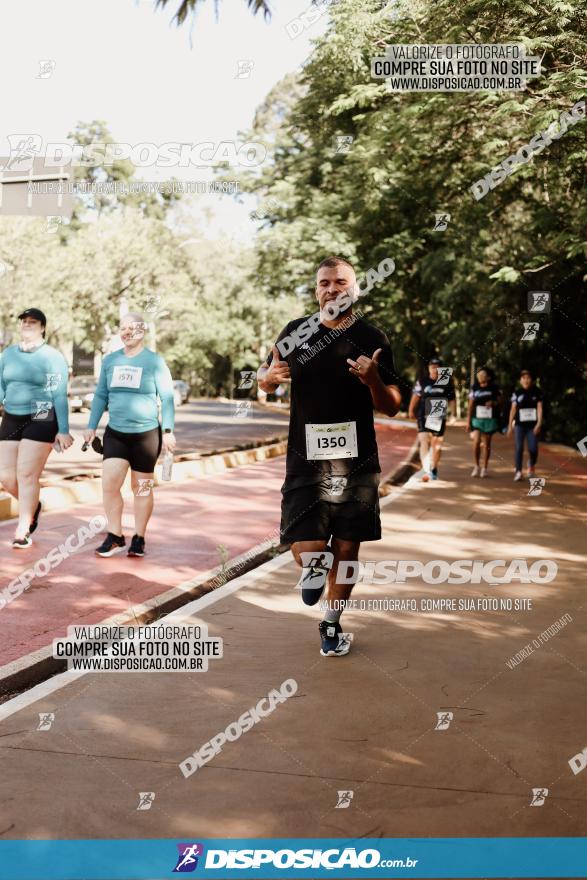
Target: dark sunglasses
(96, 446)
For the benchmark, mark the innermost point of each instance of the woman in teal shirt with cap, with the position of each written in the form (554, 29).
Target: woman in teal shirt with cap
(33, 390)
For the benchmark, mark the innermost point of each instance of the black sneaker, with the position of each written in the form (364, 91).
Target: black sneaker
(137, 546)
(35, 519)
(333, 644)
(112, 544)
(22, 543)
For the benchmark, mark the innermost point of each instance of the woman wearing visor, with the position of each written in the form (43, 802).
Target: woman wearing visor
(131, 381)
(33, 390)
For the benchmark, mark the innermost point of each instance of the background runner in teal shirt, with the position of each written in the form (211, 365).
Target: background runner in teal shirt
(129, 386)
(131, 382)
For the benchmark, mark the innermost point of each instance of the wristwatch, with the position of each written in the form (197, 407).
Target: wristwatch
(167, 431)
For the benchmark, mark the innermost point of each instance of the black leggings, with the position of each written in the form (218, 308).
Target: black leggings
(42, 428)
(140, 450)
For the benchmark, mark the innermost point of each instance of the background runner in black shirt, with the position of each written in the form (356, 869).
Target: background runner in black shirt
(431, 386)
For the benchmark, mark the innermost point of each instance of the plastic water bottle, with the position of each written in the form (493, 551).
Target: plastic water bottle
(167, 466)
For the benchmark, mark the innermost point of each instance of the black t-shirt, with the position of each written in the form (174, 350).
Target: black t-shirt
(488, 396)
(526, 400)
(427, 389)
(324, 392)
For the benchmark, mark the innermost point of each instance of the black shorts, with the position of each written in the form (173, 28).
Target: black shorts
(330, 508)
(140, 450)
(27, 428)
(422, 427)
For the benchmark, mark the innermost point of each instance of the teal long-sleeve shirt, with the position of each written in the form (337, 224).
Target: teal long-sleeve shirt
(129, 387)
(30, 376)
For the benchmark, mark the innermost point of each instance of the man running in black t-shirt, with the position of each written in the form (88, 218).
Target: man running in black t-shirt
(340, 369)
(432, 397)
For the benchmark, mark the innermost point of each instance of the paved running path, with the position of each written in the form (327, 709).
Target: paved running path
(365, 722)
(194, 525)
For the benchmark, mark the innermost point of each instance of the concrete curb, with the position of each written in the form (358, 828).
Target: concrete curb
(40, 664)
(402, 472)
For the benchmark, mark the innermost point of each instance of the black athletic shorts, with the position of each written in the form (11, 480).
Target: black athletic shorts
(26, 428)
(422, 427)
(140, 450)
(349, 511)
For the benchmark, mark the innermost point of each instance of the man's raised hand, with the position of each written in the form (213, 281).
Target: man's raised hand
(365, 368)
(278, 371)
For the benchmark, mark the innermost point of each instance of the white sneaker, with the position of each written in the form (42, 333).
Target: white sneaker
(475, 471)
(517, 476)
(531, 473)
(483, 472)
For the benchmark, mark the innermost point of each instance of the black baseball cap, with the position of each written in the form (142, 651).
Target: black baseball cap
(37, 314)
(435, 360)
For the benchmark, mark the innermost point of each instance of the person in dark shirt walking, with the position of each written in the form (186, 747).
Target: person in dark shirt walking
(526, 413)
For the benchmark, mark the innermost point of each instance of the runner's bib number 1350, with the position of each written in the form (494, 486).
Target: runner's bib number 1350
(336, 440)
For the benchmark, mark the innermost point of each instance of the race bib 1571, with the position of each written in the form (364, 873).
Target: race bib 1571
(126, 377)
(528, 415)
(484, 412)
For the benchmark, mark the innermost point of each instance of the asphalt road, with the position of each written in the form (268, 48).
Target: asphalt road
(202, 425)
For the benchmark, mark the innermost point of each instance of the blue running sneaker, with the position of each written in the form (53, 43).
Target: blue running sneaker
(312, 583)
(333, 643)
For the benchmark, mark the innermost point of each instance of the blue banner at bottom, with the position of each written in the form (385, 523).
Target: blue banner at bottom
(436, 857)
